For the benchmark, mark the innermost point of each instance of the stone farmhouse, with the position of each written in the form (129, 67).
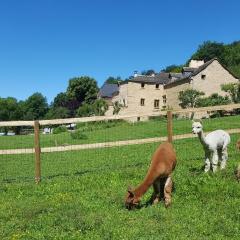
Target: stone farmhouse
(149, 94)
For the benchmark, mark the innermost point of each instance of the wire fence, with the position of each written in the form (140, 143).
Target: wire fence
(65, 147)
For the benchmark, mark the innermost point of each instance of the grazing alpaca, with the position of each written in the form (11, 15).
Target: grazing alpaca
(159, 175)
(215, 146)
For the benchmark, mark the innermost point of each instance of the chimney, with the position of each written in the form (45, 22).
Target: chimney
(196, 63)
(135, 73)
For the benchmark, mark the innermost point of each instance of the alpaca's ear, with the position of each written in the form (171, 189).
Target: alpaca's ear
(193, 121)
(131, 194)
(200, 120)
(130, 191)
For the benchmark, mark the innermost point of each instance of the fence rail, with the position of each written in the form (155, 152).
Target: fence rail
(37, 150)
(116, 117)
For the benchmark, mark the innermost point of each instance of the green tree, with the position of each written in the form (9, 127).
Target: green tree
(189, 98)
(83, 89)
(64, 101)
(113, 80)
(57, 112)
(35, 107)
(209, 50)
(233, 89)
(98, 108)
(173, 68)
(10, 109)
(85, 110)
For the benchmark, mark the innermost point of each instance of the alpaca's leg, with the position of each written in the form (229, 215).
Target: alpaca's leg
(156, 192)
(224, 158)
(207, 162)
(168, 191)
(214, 161)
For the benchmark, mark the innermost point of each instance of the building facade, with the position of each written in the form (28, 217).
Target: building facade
(150, 94)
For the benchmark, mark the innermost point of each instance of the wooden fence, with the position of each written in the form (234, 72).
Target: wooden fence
(36, 124)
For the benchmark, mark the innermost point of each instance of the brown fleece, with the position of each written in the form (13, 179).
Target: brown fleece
(159, 175)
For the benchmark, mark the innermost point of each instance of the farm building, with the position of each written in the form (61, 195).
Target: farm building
(149, 94)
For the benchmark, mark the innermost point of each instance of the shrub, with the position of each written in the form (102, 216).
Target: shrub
(92, 126)
(78, 134)
(59, 129)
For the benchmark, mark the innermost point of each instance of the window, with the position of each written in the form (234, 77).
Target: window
(142, 85)
(156, 103)
(203, 76)
(164, 99)
(157, 86)
(142, 101)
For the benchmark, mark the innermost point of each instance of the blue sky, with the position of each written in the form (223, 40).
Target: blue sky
(45, 43)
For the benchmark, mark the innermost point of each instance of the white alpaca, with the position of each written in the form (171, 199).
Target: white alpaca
(215, 146)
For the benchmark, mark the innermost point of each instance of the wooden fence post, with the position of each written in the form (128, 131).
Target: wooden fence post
(169, 126)
(37, 152)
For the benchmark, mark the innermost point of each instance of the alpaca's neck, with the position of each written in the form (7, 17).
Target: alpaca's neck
(143, 187)
(202, 138)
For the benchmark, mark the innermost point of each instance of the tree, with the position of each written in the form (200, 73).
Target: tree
(10, 109)
(83, 89)
(86, 110)
(63, 100)
(98, 108)
(209, 50)
(233, 89)
(113, 80)
(35, 107)
(57, 112)
(173, 68)
(189, 98)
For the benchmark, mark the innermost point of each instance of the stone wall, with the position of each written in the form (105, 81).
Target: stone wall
(211, 78)
(172, 92)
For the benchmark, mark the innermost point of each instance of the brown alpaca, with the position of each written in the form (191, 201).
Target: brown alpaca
(159, 175)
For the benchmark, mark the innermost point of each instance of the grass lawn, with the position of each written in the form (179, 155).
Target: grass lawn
(82, 192)
(121, 131)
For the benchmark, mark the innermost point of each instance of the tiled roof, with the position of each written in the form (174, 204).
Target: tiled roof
(160, 78)
(108, 90)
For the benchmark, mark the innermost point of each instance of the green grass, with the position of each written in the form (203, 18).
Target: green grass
(82, 192)
(122, 131)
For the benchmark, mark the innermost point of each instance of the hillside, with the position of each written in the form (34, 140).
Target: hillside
(227, 54)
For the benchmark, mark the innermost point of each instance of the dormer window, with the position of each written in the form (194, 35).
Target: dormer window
(142, 85)
(203, 76)
(157, 86)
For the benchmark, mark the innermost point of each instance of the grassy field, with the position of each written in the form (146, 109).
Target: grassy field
(81, 196)
(121, 131)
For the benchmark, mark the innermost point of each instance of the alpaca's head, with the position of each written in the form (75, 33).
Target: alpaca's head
(131, 201)
(196, 127)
